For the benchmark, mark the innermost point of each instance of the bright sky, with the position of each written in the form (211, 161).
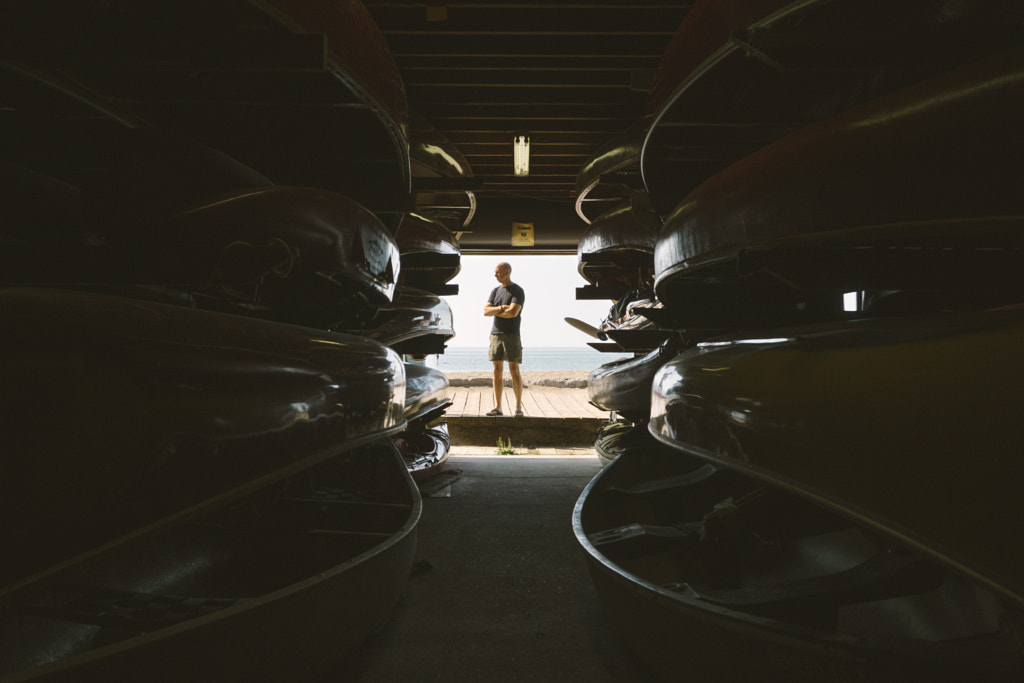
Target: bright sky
(550, 284)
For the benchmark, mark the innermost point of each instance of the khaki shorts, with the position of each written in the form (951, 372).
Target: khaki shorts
(506, 347)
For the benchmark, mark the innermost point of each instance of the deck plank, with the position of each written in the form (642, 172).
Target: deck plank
(583, 404)
(530, 405)
(546, 406)
(458, 405)
(554, 402)
(560, 403)
(473, 404)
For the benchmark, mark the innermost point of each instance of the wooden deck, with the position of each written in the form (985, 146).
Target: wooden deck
(538, 401)
(554, 417)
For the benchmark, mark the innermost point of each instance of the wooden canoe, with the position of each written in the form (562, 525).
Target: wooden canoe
(709, 574)
(122, 415)
(905, 425)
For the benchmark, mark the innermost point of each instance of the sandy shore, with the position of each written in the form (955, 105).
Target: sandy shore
(569, 379)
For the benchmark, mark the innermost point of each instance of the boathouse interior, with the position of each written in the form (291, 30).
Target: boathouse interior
(229, 231)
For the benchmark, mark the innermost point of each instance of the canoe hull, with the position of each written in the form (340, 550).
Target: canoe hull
(276, 621)
(443, 181)
(624, 386)
(670, 562)
(430, 255)
(426, 391)
(147, 411)
(338, 255)
(425, 450)
(619, 436)
(613, 162)
(616, 253)
(923, 198)
(416, 323)
(741, 74)
(903, 424)
(295, 52)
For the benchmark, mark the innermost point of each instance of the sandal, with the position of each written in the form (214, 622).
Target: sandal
(519, 413)
(494, 413)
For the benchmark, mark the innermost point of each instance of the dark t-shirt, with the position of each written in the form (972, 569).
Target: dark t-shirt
(513, 294)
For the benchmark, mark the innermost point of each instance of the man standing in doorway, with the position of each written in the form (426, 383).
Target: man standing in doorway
(505, 304)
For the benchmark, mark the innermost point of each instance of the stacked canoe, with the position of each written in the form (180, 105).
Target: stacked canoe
(616, 257)
(168, 473)
(826, 489)
(201, 306)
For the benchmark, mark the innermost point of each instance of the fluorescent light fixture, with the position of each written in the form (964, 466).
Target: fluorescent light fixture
(521, 154)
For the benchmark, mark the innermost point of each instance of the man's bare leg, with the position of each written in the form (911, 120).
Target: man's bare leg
(517, 384)
(498, 382)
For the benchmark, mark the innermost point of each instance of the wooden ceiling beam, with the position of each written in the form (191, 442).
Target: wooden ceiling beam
(527, 18)
(550, 46)
(553, 77)
(600, 62)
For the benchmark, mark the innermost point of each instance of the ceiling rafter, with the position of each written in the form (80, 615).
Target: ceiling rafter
(572, 74)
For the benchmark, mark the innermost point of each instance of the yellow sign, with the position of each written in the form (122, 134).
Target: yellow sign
(522, 234)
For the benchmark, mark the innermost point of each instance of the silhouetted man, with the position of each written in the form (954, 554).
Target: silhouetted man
(505, 304)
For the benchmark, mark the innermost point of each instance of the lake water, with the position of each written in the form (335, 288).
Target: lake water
(474, 359)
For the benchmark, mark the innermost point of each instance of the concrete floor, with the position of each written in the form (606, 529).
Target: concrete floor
(503, 593)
